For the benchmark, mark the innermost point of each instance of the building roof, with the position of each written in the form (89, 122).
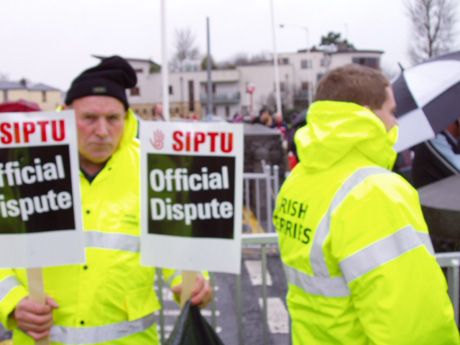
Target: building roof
(10, 85)
(343, 50)
(22, 85)
(42, 87)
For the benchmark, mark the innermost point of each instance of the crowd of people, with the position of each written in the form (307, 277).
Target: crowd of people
(353, 241)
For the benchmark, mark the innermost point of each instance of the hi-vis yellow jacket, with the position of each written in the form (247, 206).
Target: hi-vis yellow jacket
(354, 244)
(110, 299)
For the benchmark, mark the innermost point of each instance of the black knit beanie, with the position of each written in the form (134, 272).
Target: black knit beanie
(109, 78)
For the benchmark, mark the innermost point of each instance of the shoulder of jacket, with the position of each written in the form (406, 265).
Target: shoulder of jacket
(390, 183)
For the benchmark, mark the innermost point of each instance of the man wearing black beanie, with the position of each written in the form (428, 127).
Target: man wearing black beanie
(111, 298)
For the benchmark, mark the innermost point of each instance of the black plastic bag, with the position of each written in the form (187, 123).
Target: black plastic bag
(192, 329)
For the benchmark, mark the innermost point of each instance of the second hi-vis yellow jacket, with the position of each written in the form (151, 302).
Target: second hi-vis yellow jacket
(110, 299)
(354, 244)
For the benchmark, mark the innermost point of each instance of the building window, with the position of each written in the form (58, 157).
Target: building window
(5, 95)
(366, 61)
(305, 85)
(44, 96)
(213, 88)
(191, 96)
(305, 64)
(170, 89)
(319, 76)
(283, 61)
(323, 62)
(282, 86)
(227, 111)
(135, 91)
(139, 70)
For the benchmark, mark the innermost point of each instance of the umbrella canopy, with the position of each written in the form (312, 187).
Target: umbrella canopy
(428, 99)
(18, 106)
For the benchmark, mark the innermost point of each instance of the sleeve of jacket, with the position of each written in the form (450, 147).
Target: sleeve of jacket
(381, 244)
(174, 277)
(11, 293)
(171, 277)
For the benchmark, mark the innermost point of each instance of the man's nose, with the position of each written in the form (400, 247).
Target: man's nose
(102, 128)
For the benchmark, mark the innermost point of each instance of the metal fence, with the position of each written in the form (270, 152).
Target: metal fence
(259, 196)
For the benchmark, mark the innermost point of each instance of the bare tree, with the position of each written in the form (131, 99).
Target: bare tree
(185, 49)
(433, 23)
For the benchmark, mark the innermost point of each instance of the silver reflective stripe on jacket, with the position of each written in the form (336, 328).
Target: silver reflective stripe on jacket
(323, 286)
(317, 258)
(116, 241)
(6, 285)
(369, 258)
(382, 251)
(94, 335)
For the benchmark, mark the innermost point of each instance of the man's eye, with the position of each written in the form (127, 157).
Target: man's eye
(114, 118)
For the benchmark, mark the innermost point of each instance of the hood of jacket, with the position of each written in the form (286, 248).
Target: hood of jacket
(339, 129)
(130, 130)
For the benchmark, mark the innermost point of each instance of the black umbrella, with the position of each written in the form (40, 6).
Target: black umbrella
(428, 99)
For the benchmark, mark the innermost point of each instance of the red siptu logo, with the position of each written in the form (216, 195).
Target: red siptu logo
(157, 139)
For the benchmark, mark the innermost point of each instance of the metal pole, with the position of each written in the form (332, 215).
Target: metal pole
(164, 59)
(208, 70)
(161, 298)
(264, 294)
(275, 62)
(276, 180)
(268, 198)
(213, 303)
(239, 313)
(182, 93)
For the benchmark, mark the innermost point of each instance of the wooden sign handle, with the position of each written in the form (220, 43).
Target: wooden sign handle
(188, 282)
(37, 293)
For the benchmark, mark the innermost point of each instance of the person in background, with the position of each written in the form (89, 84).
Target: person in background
(110, 299)
(266, 117)
(437, 158)
(354, 244)
(157, 113)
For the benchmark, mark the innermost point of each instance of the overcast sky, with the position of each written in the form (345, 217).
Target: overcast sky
(51, 41)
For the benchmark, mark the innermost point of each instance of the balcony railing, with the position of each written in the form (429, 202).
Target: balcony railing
(301, 95)
(222, 98)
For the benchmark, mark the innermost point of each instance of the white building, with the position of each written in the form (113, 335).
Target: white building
(299, 73)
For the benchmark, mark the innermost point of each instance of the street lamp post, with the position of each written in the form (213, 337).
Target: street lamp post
(307, 32)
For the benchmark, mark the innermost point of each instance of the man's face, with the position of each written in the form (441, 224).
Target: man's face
(100, 125)
(387, 112)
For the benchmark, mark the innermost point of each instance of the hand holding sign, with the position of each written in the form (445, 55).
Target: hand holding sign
(195, 288)
(40, 216)
(35, 318)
